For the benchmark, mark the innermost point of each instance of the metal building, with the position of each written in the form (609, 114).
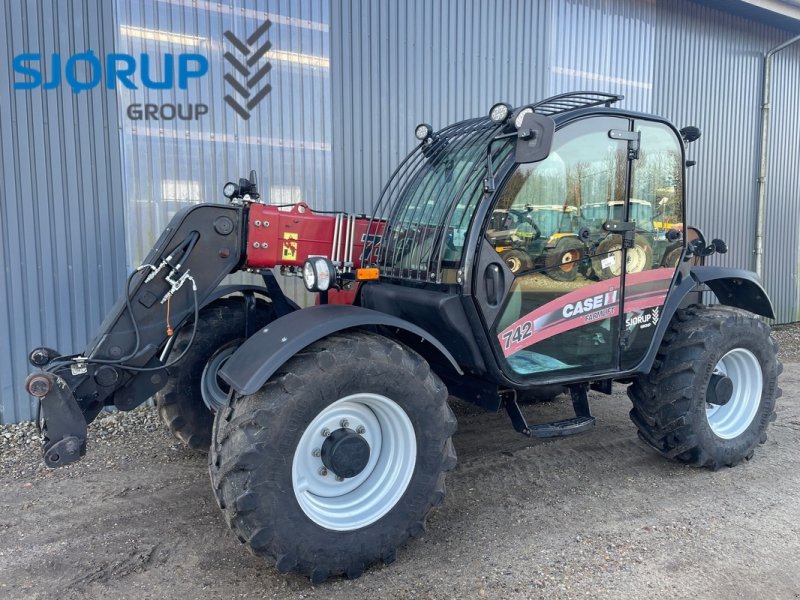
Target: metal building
(89, 179)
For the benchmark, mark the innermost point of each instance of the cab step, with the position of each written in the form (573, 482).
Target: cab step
(581, 422)
(560, 428)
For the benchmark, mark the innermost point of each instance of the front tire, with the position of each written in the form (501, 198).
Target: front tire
(186, 404)
(292, 499)
(675, 406)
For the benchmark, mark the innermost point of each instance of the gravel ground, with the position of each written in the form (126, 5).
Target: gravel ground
(788, 338)
(596, 515)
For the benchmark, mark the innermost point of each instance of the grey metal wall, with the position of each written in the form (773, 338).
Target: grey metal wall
(287, 138)
(397, 64)
(84, 189)
(782, 243)
(62, 242)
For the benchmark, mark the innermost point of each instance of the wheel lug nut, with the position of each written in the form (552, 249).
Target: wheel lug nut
(338, 478)
(361, 430)
(316, 452)
(326, 432)
(323, 471)
(344, 423)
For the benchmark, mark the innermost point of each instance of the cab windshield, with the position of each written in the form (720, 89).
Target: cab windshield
(434, 199)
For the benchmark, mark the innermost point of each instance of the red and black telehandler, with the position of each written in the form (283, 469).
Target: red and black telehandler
(328, 427)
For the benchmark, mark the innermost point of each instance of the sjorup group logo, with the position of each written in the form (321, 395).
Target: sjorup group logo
(85, 71)
(251, 53)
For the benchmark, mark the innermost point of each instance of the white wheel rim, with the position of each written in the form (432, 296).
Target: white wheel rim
(637, 259)
(614, 268)
(361, 500)
(730, 420)
(213, 394)
(513, 263)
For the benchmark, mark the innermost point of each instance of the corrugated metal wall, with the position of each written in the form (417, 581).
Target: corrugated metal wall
(395, 66)
(62, 243)
(287, 138)
(350, 79)
(782, 243)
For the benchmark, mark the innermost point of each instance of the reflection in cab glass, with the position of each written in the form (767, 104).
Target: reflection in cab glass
(547, 226)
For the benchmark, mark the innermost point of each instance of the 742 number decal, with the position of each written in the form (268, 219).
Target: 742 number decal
(518, 334)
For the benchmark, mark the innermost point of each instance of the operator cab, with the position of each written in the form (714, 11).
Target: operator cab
(506, 237)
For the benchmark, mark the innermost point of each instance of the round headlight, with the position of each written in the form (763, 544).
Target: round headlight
(499, 112)
(318, 274)
(309, 276)
(521, 115)
(423, 132)
(324, 275)
(229, 190)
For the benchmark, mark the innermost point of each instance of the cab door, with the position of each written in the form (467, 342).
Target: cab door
(571, 308)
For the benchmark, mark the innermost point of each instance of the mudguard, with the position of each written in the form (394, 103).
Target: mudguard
(733, 287)
(736, 287)
(227, 290)
(266, 351)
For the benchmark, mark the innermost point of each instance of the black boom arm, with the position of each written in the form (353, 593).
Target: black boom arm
(126, 361)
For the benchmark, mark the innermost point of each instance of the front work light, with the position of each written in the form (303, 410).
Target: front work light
(318, 274)
(423, 131)
(521, 115)
(499, 112)
(229, 190)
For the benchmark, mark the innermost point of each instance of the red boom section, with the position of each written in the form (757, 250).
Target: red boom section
(288, 237)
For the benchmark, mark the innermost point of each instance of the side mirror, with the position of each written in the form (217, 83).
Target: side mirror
(534, 138)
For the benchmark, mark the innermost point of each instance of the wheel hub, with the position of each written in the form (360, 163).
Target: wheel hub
(720, 390)
(345, 453)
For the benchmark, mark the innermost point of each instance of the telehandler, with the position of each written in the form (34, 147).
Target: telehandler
(328, 427)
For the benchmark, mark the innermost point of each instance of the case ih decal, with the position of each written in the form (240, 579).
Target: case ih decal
(592, 303)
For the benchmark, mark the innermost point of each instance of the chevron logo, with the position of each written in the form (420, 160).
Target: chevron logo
(250, 53)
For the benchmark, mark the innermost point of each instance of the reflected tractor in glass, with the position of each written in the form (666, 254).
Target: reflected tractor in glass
(536, 250)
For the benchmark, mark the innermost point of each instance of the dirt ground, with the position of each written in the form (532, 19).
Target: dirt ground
(596, 515)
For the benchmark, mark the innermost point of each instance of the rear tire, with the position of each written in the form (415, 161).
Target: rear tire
(517, 261)
(193, 392)
(670, 406)
(267, 468)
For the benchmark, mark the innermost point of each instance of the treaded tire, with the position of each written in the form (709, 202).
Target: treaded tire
(613, 243)
(517, 261)
(180, 402)
(669, 403)
(569, 249)
(256, 437)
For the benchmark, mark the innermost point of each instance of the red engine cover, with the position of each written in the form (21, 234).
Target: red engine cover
(287, 237)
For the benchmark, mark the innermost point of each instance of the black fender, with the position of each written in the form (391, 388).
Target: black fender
(227, 290)
(733, 287)
(736, 287)
(267, 350)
